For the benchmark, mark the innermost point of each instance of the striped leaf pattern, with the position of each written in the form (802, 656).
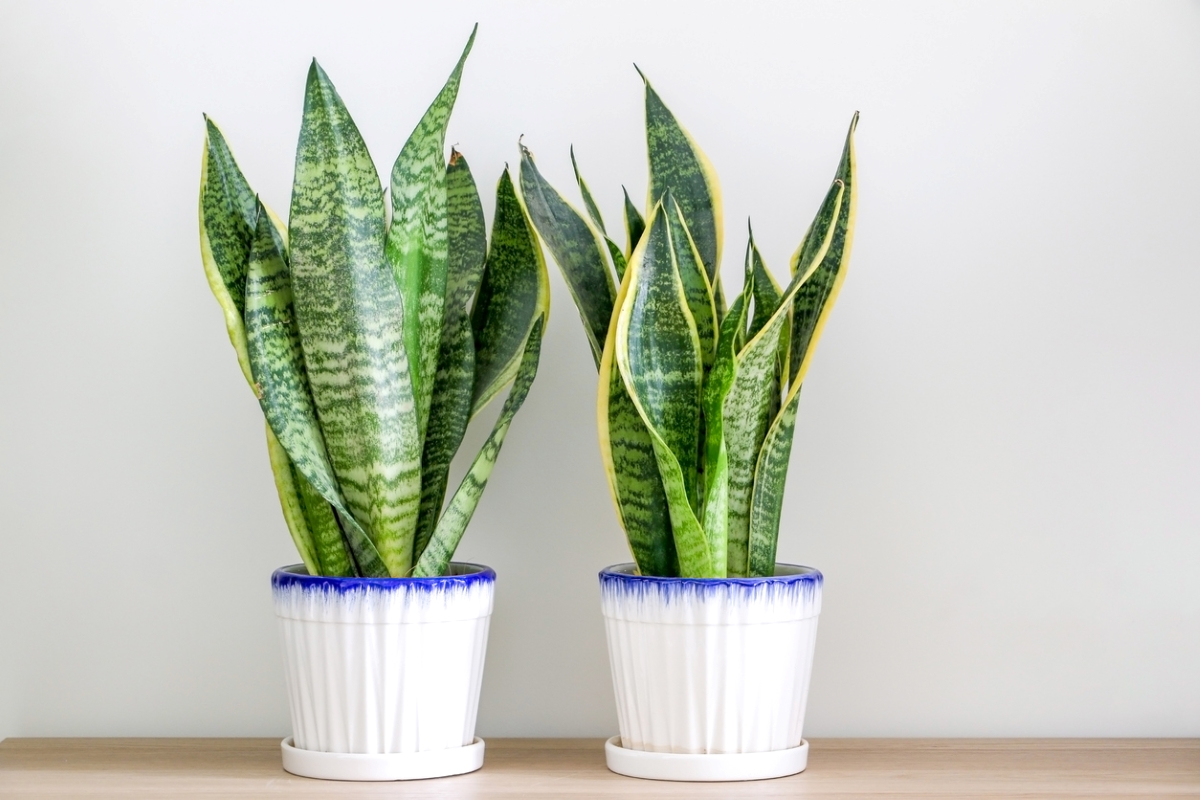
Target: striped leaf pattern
(811, 306)
(451, 403)
(370, 346)
(658, 353)
(416, 240)
(514, 291)
(350, 317)
(614, 250)
(453, 523)
(696, 404)
(576, 249)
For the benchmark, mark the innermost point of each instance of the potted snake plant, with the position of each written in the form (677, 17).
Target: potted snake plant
(710, 640)
(370, 340)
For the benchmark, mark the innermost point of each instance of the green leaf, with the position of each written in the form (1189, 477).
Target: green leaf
(770, 475)
(716, 455)
(576, 250)
(458, 514)
(658, 354)
(451, 407)
(282, 387)
(350, 318)
(514, 291)
(635, 226)
(618, 258)
(631, 465)
(696, 287)
(227, 214)
(416, 241)
(753, 400)
(289, 500)
(679, 166)
(820, 275)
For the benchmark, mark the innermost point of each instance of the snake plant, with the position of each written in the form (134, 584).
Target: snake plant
(369, 339)
(697, 400)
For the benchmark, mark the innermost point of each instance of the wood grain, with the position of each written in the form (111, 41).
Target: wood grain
(574, 768)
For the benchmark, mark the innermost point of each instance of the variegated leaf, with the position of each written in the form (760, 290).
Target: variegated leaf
(678, 165)
(811, 306)
(453, 522)
(227, 215)
(630, 464)
(350, 318)
(753, 399)
(576, 249)
(658, 354)
(716, 456)
(514, 291)
(289, 500)
(451, 407)
(618, 258)
(416, 240)
(282, 386)
(635, 225)
(696, 287)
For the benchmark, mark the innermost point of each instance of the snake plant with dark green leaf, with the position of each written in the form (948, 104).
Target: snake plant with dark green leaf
(697, 401)
(370, 342)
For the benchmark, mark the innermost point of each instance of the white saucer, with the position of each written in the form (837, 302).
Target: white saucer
(704, 766)
(382, 766)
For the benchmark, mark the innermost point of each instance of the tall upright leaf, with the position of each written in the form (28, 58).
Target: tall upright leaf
(514, 291)
(810, 311)
(436, 556)
(658, 354)
(227, 215)
(282, 385)
(630, 464)
(450, 410)
(350, 318)
(575, 248)
(696, 287)
(294, 512)
(416, 241)
(753, 400)
(678, 165)
(614, 251)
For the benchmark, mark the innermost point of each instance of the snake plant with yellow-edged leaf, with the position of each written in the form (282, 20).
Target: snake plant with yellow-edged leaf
(371, 340)
(697, 401)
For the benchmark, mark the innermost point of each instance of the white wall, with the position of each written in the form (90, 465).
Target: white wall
(998, 452)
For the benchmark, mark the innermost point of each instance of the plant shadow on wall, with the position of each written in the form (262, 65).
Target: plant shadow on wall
(710, 640)
(371, 344)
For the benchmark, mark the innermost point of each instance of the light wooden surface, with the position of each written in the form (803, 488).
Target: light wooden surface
(574, 768)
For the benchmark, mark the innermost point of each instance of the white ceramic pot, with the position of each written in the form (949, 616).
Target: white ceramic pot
(383, 674)
(711, 675)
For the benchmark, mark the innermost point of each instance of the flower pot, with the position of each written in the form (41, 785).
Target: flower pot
(711, 675)
(383, 674)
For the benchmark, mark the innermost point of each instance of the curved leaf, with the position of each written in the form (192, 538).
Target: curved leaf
(416, 241)
(753, 400)
(575, 248)
(631, 466)
(450, 410)
(282, 386)
(811, 305)
(696, 287)
(658, 353)
(515, 290)
(679, 166)
(350, 319)
(458, 514)
(618, 258)
(294, 512)
(227, 215)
